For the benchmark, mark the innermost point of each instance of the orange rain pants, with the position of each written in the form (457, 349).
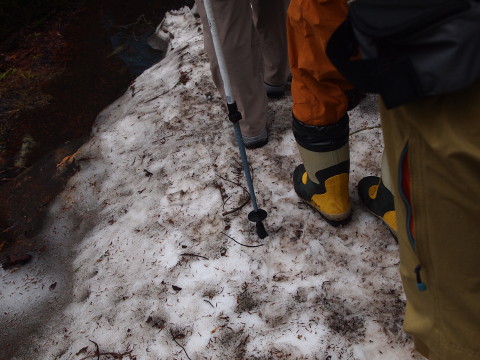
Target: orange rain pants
(318, 89)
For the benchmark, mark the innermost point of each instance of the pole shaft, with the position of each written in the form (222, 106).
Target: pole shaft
(219, 51)
(246, 169)
(257, 215)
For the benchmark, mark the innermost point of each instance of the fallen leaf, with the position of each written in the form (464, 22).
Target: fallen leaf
(67, 160)
(215, 330)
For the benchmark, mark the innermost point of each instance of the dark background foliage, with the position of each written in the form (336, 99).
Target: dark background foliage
(61, 63)
(15, 14)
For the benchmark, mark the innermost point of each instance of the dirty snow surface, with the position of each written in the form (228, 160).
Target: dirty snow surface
(166, 265)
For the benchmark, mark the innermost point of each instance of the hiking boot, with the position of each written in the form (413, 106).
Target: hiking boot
(254, 142)
(329, 198)
(379, 201)
(322, 179)
(274, 91)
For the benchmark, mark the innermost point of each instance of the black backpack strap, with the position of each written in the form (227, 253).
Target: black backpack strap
(394, 79)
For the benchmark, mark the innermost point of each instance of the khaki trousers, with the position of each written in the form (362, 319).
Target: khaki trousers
(253, 38)
(433, 149)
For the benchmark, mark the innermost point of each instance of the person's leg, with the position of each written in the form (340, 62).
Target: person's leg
(433, 148)
(241, 48)
(320, 120)
(270, 18)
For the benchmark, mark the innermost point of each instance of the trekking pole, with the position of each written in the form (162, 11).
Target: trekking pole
(256, 215)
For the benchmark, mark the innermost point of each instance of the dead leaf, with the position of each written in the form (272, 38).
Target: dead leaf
(215, 330)
(67, 160)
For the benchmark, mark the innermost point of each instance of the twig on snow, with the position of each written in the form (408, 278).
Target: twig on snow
(233, 182)
(176, 342)
(163, 139)
(209, 302)
(237, 208)
(228, 198)
(250, 167)
(161, 94)
(364, 129)
(195, 255)
(243, 204)
(98, 349)
(250, 246)
(112, 354)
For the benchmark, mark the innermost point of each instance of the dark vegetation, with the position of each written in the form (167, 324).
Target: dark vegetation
(16, 14)
(59, 67)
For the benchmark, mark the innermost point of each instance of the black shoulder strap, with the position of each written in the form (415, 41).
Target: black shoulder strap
(373, 75)
(398, 18)
(408, 46)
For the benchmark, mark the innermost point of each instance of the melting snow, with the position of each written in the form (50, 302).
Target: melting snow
(156, 266)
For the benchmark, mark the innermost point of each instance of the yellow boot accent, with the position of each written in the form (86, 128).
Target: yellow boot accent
(378, 200)
(322, 182)
(372, 191)
(335, 203)
(390, 218)
(305, 178)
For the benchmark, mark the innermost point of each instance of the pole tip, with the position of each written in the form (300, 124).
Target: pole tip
(261, 232)
(257, 217)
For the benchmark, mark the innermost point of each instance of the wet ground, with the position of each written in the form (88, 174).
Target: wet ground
(55, 77)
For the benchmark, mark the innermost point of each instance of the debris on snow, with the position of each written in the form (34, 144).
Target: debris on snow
(149, 215)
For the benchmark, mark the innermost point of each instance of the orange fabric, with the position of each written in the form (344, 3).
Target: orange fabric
(318, 89)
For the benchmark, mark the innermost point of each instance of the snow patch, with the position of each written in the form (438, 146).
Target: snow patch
(160, 267)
